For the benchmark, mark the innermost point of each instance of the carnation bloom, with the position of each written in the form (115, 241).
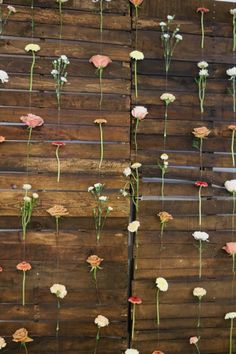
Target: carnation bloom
(101, 321)
(131, 351)
(202, 9)
(139, 112)
(57, 211)
(134, 226)
(158, 352)
(135, 300)
(2, 343)
(136, 165)
(24, 266)
(230, 315)
(201, 184)
(32, 47)
(201, 132)
(199, 292)
(203, 64)
(231, 71)
(94, 261)
(165, 217)
(200, 236)
(193, 340)
(4, 76)
(32, 121)
(59, 290)
(11, 8)
(168, 97)
(127, 171)
(2, 139)
(136, 55)
(100, 61)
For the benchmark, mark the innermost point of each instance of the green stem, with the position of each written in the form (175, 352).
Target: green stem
(201, 149)
(233, 267)
(165, 123)
(135, 135)
(32, 71)
(202, 28)
(58, 164)
(197, 347)
(101, 146)
(158, 308)
(101, 16)
(234, 33)
(28, 146)
(233, 211)
(137, 191)
(199, 313)
(23, 288)
(58, 322)
(234, 93)
(60, 12)
(97, 340)
(136, 78)
(232, 147)
(200, 207)
(32, 19)
(136, 27)
(133, 321)
(25, 346)
(200, 259)
(101, 88)
(57, 225)
(231, 336)
(162, 182)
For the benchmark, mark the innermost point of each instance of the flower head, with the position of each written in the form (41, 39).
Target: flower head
(32, 47)
(94, 261)
(100, 61)
(168, 97)
(136, 165)
(4, 76)
(127, 171)
(201, 184)
(170, 17)
(2, 139)
(58, 143)
(162, 284)
(231, 72)
(100, 121)
(231, 185)
(203, 72)
(203, 64)
(101, 321)
(202, 9)
(58, 211)
(165, 217)
(201, 132)
(11, 9)
(135, 300)
(27, 187)
(193, 340)
(230, 248)
(32, 121)
(233, 11)
(59, 290)
(158, 352)
(164, 157)
(230, 315)
(21, 336)
(136, 2)
(178, 37)
(134, 226)
(139, 112)
(199, 292)
(200, 236)
(24, 266)
(136, 55)
(232, 127)
(2, 343)
(131, 351)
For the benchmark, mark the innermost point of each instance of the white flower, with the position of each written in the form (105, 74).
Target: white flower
(231, 186)
(166, 36)
(203, 64)
(170, 18)
(27, 187)
(2, 343)
(109, 208)
(162, 284)
(98, 185)
(199, 292)
(137, 55)
(136, 165)
(203, 72)
(103, 198)
(231, 72)
(65, 59)
(59, 290)
(35, 195)
(164, 157)
(139, 112)
(54, 72)
(200, 236)
(63, 79)
(162, 24)
(233, 11)
(166, 163)
(90, 189)
(4, 76)
(101, 321)
(27, 199)
(179, 37)
(131, 351)
(230, 315)
(168, 97)
(127, 171)
(124, 193)
(134, 226)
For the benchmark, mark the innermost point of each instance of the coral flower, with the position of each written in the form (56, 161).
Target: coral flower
(136, 2)
(58, 143)
(24, 267)
(203, 9)
(134, 300)
(201, 184)
(2, 139)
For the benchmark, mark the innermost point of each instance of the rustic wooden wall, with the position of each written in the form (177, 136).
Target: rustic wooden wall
(179, 258)
(79, 165)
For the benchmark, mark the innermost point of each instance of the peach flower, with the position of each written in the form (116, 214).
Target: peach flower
(94, 261)
(201, 132)
(21, 336)
(24, 266)
(2, 139)
(32, 120)
(136, 2)
(100, 61)
(165, 217)
(232, 127)
(193, 340)
(230, 248)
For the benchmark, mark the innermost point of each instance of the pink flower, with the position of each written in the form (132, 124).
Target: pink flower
(32, 120)
(135, 300)
(139, 112)
(201, 184)
(230, 248)
(24, 266)
(100, 61)
(136, 2)
(202, 9)
(58, 143)
(2, 139)
(193, 340)
(158, 352)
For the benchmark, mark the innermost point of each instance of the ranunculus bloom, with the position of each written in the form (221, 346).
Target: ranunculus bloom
(199, 292)
(230, 248)
(136, 2)
(101, 321)
(139, 112)
(21, 336)
(100, 61)
(135, 300)
(2, 139)
(165, 217)
(201, 132)
(32, 120)
(193, 340)
(24, 266)
(201, 184)
(202, 9)
(94, 261)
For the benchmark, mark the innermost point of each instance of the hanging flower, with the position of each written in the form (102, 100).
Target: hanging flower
(57, 211)
(200, 134)
(101, 322)
(233, 13)
(232, 73)
(162, 285)
(194, 341)
(2, 139)
(201, 185)
(33, 48)
(201, 237)
(131, 351)
(167, 98)
(138, 113)
(31, 121)
(202, 11)
(136, 4)
(58, 144)
(163, 167)
(60, 292)
(21, 336)
(134, 300)
(201, 82)
(164, 219)
(100, 211)
(95, 262)
(136, 55)
(231, 188)
(24, 267)
(100, 122)
(199, 293)
(230, 248)
(4, 76)
(2, 343)
(59, 75)
(231, 316)
(233, 129)
(60, 2)
(28, 205)
(100, 62)
(170, 39)
(3, 21)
